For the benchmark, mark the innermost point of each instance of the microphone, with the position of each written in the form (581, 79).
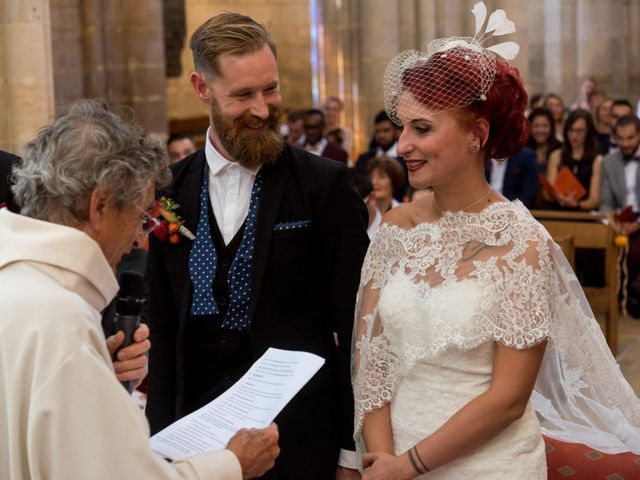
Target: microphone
(129, 302)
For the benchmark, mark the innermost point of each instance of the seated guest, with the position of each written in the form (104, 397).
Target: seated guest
(603, 122)
(515, 178)
(621, 107)
(555, 104)
(385, 137)
(316, 142)
(180, 146)
(295, 129)
(580, 155)
(84, 187)
(542, 139)
(7, 163)
(620, 185)
(335, 132)
(386, 176)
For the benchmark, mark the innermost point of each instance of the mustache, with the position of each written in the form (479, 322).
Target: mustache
(251, 121)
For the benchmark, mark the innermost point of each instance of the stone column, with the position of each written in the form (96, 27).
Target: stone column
(634, 51)
(560, 48)
(536, 41)
(603, 45)
(380, 42)
(123, 57)
(518, 12)
(26, 73)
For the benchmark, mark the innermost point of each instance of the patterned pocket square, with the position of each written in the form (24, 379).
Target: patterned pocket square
(295, 225)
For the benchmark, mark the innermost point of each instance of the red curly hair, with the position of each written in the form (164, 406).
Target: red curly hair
(504, 107)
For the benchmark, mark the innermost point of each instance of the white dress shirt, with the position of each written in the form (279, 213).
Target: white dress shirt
(391, 152)
(498, 170)
(318, 148)
(230, 188)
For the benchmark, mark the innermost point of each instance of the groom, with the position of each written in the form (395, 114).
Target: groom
(280, 239)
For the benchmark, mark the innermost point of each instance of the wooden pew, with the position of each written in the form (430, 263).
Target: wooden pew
(588, 230)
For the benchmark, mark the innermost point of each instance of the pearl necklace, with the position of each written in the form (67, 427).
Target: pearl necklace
(441, 212)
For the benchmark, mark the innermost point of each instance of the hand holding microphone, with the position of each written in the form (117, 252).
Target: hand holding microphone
(130, 344)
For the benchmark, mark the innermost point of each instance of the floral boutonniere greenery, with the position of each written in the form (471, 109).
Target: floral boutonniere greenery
(172, 225)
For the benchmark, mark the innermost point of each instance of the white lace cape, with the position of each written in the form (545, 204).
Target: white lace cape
(580, 394)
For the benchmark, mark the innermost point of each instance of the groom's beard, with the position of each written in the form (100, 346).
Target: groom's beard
(249, 149)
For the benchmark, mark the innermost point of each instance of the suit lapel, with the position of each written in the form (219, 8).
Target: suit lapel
(275, 180)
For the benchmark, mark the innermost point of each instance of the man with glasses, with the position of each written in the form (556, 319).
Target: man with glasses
(84, 188)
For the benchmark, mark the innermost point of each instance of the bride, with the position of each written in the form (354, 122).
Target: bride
(472, 331)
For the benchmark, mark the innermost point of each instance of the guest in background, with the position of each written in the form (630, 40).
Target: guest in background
(535, 101)
(555, 103)
(333, 129)
(580, 155)
(603, 123)
(180, 146)
(385, 136)
(295, 129)
(621, 189)
(587, 87)
(515, 178)
(621, 107)
(386, 176)
(542, 139)
(316, 142)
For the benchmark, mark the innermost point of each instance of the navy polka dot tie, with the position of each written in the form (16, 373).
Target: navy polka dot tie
(237, 317)
(203, 261)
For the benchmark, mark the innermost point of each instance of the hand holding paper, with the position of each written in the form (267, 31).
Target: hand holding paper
(253, 402)
(255, 449)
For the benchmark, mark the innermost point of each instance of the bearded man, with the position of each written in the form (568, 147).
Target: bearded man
(280, 236)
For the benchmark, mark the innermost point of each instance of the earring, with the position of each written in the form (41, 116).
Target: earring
(474, 147)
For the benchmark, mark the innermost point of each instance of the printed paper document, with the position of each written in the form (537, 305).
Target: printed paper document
(252, 402)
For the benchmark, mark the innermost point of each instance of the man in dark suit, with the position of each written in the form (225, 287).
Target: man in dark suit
(7, 162)
(280, 235)
(385, 139)
(316, 142)
(517, 177)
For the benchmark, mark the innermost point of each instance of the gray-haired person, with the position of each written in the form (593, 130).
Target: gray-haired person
(84, 187)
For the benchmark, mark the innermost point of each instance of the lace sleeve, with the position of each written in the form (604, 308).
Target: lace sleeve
(525, 294)
(372, 360)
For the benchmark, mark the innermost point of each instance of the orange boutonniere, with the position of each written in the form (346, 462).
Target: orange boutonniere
(172, 225)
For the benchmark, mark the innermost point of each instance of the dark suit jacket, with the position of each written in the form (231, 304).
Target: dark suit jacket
(335, 152)
(7, 162)
(304, 286)
(521, 177)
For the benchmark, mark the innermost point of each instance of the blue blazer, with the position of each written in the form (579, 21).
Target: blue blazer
(521, 177)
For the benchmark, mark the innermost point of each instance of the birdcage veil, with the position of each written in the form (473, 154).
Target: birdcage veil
(453, 73)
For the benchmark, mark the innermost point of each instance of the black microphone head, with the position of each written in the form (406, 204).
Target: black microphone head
(131, 296)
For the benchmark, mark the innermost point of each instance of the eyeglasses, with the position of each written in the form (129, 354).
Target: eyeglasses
(148, 223)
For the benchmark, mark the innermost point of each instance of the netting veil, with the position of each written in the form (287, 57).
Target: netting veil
(453, 73)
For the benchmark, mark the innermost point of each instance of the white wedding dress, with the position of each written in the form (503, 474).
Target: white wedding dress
(433, 302)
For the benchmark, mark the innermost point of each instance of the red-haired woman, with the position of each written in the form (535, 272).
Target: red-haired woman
(465, 300)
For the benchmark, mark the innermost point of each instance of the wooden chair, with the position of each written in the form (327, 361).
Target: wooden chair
(591, 230)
